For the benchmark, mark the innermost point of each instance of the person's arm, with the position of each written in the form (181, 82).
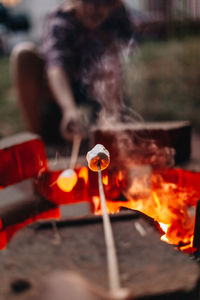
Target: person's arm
(61, 88)
(57, 53)
(60, 85)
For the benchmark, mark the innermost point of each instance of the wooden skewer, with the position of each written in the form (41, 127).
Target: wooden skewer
(98, 158)
(116, 291)
(113, 270)
(75, 151)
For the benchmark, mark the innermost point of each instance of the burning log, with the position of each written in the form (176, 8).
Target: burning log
(120, 138)
(21, 156)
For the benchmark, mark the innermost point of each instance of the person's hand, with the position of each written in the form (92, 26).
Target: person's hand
(70, 124)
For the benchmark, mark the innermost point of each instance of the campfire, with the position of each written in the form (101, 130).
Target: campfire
(171, 201)
(169, 196)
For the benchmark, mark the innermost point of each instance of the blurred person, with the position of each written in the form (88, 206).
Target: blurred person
(53, 80)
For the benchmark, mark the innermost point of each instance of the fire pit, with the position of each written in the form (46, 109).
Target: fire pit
(147, 265)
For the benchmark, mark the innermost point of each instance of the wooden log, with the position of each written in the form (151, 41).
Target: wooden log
(22, 156)
(149, 268)
(175, 135)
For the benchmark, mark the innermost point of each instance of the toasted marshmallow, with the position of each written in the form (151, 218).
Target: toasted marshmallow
(98, 155)
(67, 180)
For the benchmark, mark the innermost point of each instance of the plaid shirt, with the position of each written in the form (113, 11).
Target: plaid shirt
(67, 43)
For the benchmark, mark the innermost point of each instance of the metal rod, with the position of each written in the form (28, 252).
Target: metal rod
(75, 151)
(113, 270)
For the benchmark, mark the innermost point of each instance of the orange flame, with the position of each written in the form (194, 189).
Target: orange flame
(83, 173)
(119, 179)
(169, 198)
(105, 179)
(112, 207)
(168, 203)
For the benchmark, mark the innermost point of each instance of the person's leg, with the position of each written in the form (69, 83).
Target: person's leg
(27, 71)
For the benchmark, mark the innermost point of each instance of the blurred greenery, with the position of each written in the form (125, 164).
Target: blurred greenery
(10, 122)
(162, 81)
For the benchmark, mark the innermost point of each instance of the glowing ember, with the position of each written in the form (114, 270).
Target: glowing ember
(67, 180)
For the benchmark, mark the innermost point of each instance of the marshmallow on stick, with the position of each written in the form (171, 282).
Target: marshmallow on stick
(98, 155)
(68, 178)
(98, 159)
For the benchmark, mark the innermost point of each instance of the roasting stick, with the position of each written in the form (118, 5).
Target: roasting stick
(75, 151)
(68, 174)
(98, 159)
(68, 178)
(113, 270)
